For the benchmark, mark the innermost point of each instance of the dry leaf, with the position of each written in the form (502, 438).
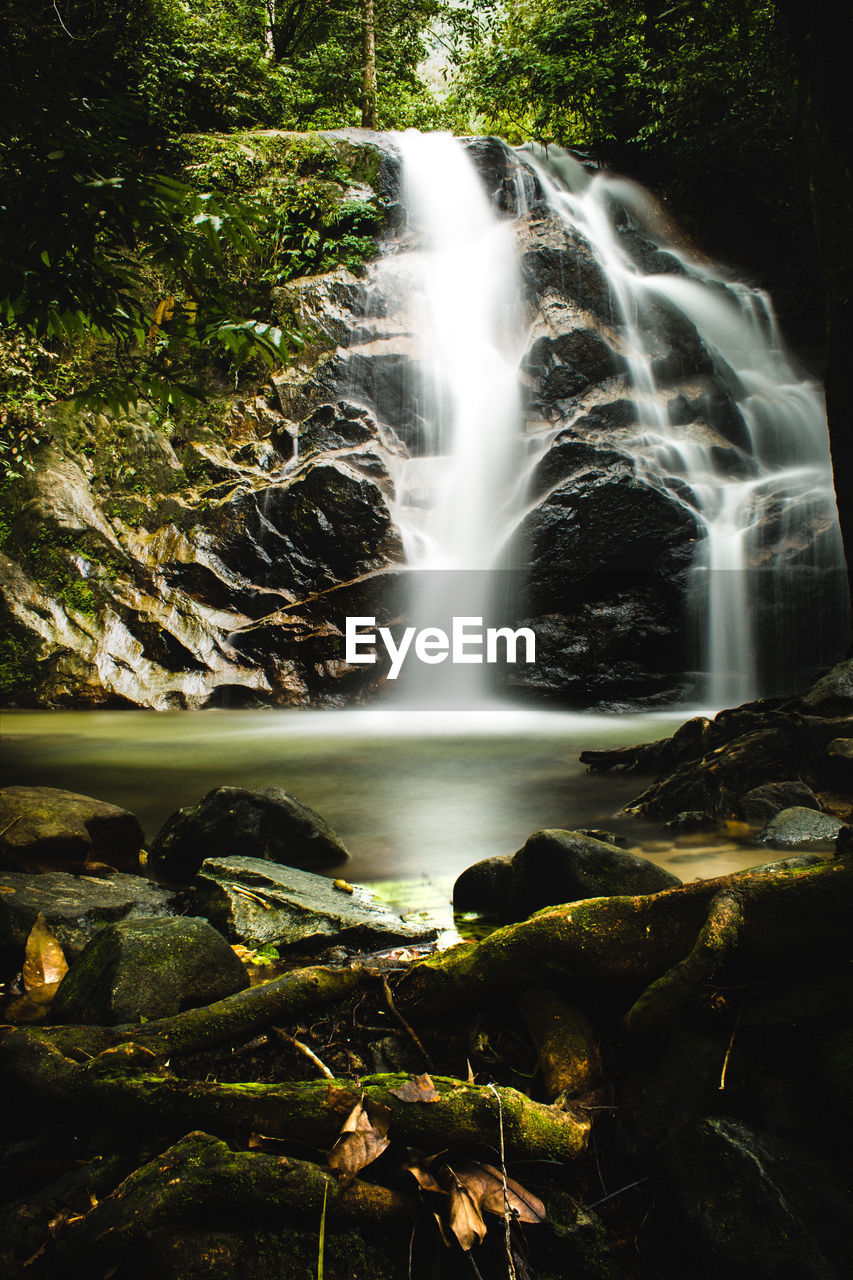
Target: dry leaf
(5, 888)
(485, 1185)
(44, 960)
(416, 1089)
(424, 1178)
(343, 885)
(364, 1137)
(341, 1100)
(464, 1218)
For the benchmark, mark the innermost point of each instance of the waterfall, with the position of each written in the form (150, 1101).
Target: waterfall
(766, 503)
(731, 435)
(452, 500)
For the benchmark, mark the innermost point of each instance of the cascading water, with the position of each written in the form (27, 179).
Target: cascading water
(746, 462)
(766, 504)
(463, 290)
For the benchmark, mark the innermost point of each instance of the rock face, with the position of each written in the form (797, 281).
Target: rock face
(553, 867)
(197, 561)
(148, 967)
(74, 907)
(45, 827)
(258, 903)
(268, 824)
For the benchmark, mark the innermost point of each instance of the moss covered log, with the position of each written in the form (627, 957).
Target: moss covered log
(120, 1084)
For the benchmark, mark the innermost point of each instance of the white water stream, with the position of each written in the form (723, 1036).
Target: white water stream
(766, 509)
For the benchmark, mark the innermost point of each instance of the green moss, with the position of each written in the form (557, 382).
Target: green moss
(19, 661)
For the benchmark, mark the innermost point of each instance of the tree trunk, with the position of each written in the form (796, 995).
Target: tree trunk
(368, 99)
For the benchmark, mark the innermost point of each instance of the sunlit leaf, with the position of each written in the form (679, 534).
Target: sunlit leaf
(44, 959)
(416, 1089)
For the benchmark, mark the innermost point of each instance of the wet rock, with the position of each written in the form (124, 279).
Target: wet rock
(148, 967)
(801, 828)
(74, 907)
(732, 1201)
(555, 866)
(510, 184)
(268, 824)
(45, 827)
(257, 903)
(692, 820)
(485, 886)
(603, 527)
(763, 803)
(832, 695)
(559, 261)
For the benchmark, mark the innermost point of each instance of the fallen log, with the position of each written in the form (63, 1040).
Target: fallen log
(120, 1084)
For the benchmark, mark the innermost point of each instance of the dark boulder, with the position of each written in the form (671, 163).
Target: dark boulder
(268, 824)
(146, 968)
(761, 804)
(510, 184)
(45, 826)
(74, 907)
(832, 695)
(730, 1201)
(259, 903)
(485, 886)
(555, 866)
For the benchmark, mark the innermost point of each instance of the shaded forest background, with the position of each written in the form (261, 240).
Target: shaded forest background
(733, 111)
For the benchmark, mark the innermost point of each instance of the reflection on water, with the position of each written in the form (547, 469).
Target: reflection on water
(415, 796)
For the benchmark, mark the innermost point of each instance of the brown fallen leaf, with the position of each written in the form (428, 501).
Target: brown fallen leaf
(416, 1089)
(485, 1185)
(343, 885)
(341, 1100)
(464, 1218)
(44, 959)
(425, 1179)
(364, 1137)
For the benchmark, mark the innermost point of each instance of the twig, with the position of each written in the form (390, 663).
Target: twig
(412, 1244)
(722, 1083)
(9, 825)
(322, 1247)
(402, 1021)
(507, 1236)
(303, 1048)
(627, 1187)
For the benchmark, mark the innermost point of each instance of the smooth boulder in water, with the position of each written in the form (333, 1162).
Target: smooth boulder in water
(552, 867)
(46, 826)
(269, 824)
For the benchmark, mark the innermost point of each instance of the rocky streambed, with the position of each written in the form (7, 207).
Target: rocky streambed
(634, 1077)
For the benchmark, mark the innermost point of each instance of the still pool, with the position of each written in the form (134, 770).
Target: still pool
(416, 796)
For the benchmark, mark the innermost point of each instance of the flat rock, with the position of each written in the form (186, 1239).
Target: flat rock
(801, 829)
(75, 907)
(45, 826)
(268, 824)
(256, 902)
(148, 967)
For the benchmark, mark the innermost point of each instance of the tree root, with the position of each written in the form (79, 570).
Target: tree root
(119, 1084)
(620, 946)
(224, 1022)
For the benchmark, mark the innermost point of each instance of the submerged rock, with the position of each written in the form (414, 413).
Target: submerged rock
(268, 824)
(74, 907)
(801, 828)
(45, 826)
(260, 903)
(763, 803)
(148, 967)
